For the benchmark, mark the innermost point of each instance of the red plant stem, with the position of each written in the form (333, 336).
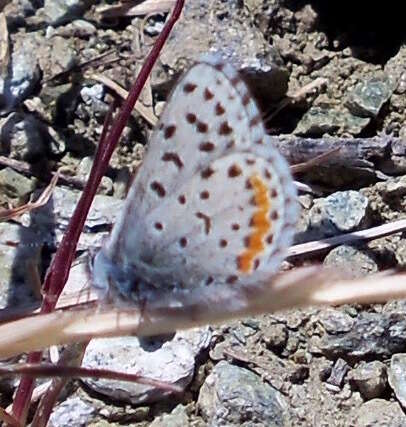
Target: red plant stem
(7, 418)
(58, 272)
(48, 370)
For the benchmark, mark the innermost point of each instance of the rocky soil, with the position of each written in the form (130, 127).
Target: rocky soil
(343, 69)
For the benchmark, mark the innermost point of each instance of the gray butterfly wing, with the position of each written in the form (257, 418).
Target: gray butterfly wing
(213, 201)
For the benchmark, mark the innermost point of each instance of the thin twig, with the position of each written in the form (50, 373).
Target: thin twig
(311, 248)
(46, 370)
(72, 357)
(308, 189)
(301, 167)
(27, 169)
(145, 112)
(4, 45)
(298, 95)
(126, 8)
(7, 214)
(84, 65)
(40, 390)
(374, 153)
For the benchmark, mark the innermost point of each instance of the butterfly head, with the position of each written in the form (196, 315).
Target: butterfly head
(109, 280)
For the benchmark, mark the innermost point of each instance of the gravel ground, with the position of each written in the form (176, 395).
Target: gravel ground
(343, 68)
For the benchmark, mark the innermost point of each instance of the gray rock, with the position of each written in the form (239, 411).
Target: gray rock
(378, 412)
(83, 171)
(352, 124)
(370, 378)
(307, 18)
(93, 93)
(20, 249)
(57, 144)
(306, 201)
(397, 377)
(341, 212)
(93, 96)
(324, 119)
(18, 10)
(14, 185)
(336, 321)
(72, 412)
(172, 362)
(60, 101)
(276, 336)
(55, 215)
(395, 306)
(303, 231)
(400, 253)
(318, 120)
(177, 418)
(57, 55)
(371, 335)
(395, 71)
(234, 396)
(240, 333)
(9, 384)
(59, 11)
(199, 32)
(121, 183)
(22, 76)
(23, 137)
(368, 97)
(103, 213)
(395, 187)
(355, 262)
(153, 28)
(78, 276)
(77, 28)
(396, 164)
(401, 88)
(338, 373)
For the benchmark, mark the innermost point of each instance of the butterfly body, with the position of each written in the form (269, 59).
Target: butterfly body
(213, 205)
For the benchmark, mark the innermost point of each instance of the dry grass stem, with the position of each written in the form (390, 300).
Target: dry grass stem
(127, 8)
(7, 214)
(296, 288)
(314, 86)
(4, 45)
(145, 112)
(356, 236)
(318, 160)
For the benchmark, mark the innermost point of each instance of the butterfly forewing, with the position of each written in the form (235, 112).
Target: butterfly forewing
(213, 201)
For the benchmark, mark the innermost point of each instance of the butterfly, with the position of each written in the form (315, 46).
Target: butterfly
(213, 206)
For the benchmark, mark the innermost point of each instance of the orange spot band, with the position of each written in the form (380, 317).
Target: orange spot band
(261, 225)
